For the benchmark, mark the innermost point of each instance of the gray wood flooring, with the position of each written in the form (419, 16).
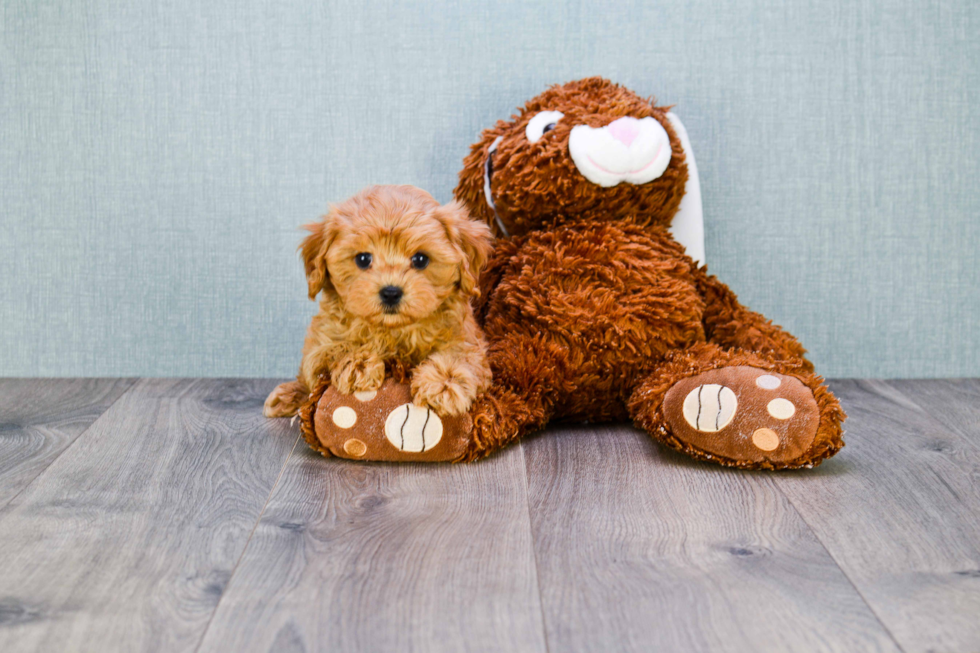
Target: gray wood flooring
(169, 515)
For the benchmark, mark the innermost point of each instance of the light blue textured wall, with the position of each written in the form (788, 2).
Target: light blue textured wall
(156, 159)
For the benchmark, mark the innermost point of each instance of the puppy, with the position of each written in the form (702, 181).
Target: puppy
(395, 272)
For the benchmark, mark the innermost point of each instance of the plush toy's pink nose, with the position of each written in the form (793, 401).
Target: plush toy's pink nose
(624, 130)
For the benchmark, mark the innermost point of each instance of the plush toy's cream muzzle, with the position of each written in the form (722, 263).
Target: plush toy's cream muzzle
(626, 150)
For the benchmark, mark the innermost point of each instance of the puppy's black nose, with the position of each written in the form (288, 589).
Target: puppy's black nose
(391, 295)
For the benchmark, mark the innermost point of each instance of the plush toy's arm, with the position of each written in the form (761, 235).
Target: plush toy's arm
(504, 250)
(730, 324)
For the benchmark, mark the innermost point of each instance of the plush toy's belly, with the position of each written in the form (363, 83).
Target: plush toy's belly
(616, 296)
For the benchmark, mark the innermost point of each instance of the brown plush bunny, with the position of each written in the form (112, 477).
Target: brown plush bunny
(593, 312)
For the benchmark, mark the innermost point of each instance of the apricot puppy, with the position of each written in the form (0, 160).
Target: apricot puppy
(395, 272)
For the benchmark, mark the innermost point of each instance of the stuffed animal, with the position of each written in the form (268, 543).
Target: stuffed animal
(594, 312)
(383, 424)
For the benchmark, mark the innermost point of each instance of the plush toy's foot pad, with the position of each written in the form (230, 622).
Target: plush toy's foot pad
(743, 414)
(386, 425)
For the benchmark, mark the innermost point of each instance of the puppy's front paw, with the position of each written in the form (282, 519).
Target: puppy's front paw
(447, 389)
(358, 373)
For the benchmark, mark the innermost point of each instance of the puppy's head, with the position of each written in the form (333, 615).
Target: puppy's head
(392, 255)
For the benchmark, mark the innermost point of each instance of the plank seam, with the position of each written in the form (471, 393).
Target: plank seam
(534, 548)
(133, 383)
(248, 541)
(823, 545)
(932, 418)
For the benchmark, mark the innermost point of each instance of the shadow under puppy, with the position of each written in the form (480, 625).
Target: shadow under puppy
(395, 272)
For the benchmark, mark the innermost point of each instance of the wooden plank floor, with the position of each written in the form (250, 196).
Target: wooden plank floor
(168, 515)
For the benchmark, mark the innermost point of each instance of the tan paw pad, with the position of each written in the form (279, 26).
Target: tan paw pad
(781, 408)
(765, 439)
(411, 428)
(344, 417)
(768, 382)
(355, 447)
(710, 407)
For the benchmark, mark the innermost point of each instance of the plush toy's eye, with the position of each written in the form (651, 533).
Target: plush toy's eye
(420, 261)
(363, 260)
(541, 124)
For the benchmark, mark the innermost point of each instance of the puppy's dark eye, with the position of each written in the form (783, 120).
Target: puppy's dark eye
(419, 261)
(549, 127)
(363, 260)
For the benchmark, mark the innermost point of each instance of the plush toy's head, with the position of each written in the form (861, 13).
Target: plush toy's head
(586, 149)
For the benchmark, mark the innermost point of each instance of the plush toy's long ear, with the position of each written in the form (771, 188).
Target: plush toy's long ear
(314, 250)
(688, 224)
(474, 239)
(473, 189)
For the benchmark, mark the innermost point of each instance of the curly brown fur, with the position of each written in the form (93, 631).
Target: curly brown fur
(591, 309)
(306, 411)
(430, 326)
(538, 185)
(285, 398)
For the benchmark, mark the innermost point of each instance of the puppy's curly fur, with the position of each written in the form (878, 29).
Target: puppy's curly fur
(431, 327)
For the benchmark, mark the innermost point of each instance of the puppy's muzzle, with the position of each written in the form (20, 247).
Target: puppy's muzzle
(390, 296)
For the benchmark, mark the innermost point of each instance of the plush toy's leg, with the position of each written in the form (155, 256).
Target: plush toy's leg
(746, 398)
(529, 379)
(739, 409)
(731, 325)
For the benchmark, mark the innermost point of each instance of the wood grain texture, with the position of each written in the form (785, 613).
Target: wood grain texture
(899, 510)
(387, 557)
(127, 540)
(40, 418)
(954, 403)
(127, 525)
(641, 549)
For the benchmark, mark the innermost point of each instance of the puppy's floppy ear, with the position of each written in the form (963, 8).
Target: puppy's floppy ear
(314, 250)
(474, 239)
